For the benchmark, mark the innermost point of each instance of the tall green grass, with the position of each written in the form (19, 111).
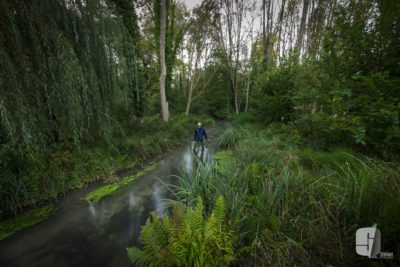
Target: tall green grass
(293, 205)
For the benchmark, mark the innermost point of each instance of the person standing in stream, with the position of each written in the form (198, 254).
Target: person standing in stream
(198, 136)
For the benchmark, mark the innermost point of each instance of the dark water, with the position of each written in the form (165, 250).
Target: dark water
(84, 235)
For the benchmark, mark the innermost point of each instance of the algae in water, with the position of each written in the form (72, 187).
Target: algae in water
(22, 221)
(95, 196)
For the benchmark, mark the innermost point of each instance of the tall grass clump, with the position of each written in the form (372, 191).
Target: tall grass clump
(208, 182)
(230, 137)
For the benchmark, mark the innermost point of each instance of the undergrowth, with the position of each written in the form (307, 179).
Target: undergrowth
(290, 204)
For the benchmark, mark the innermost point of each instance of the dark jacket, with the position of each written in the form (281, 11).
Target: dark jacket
(198, 134)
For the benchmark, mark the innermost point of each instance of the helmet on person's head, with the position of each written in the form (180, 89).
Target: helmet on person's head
(199, 124)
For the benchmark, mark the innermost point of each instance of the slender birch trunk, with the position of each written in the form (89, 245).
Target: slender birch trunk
(302, 25)
(189, 102)
(164, 103)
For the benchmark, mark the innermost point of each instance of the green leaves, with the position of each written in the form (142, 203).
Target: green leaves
(137, 256)
(187, 238)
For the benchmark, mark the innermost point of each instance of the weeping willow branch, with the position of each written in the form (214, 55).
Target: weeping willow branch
(69, 68)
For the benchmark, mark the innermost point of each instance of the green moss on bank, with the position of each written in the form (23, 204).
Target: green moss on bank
(22, 221)
(110, 189)
(223, 155)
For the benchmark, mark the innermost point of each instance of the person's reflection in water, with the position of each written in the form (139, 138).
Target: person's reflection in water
(200, 157)
(198, 151)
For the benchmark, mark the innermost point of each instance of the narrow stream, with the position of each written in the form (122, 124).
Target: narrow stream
(97, 235)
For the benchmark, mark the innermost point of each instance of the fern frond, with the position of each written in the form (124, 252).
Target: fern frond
(211, 227)
(159, 232)
(220, 209)
(149, 238)
(196, 219)
(177, 241)
(137, 256)
(187, 238)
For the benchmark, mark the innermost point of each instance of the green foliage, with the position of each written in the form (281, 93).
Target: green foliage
(229, 137)
(224, 158)
(273, 95)
(354, 93)
(244, 117)
(292, 203)
(138, 256)
(22, 221)
(28, 181)
(187, 237)
(95, 196)
(223, 155)
(175, 30)
(217, 98)
(65, 88)
(344, 89)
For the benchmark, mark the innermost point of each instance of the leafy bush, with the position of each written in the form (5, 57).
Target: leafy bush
(273, 97)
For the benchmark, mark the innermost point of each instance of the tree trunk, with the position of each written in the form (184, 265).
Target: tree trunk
(163, 26)
(270, 25)
(191, 88)
(302, 25)
(188, 103)
(332, 9)
(264, 36)
(278, 49)
(239, 17)
(247, 92)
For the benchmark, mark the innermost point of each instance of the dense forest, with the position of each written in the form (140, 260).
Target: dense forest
(311, 90)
